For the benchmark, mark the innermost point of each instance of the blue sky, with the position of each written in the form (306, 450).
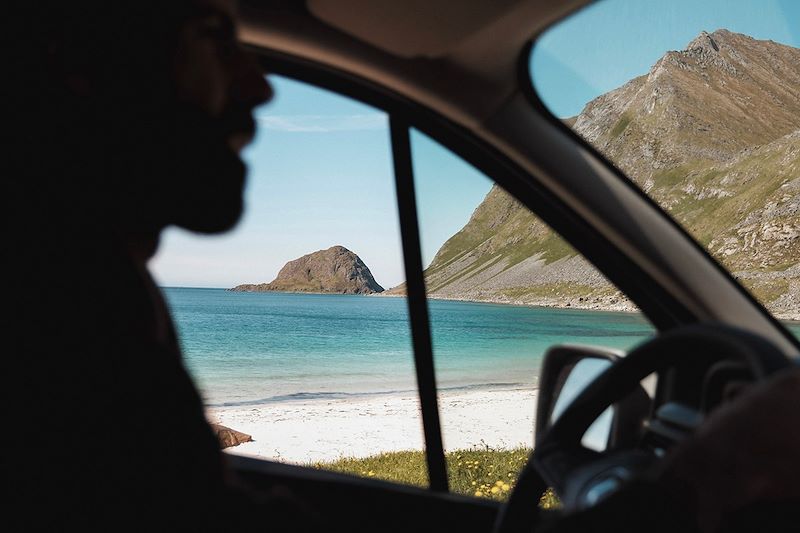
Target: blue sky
(320, 174)
(612, 41)
(321, 171)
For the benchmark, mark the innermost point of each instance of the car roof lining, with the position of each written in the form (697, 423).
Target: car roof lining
(478, 74)
(437, 27)
(474, 35)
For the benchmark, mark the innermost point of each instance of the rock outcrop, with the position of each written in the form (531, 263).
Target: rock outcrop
(336, 270)
(229, 437)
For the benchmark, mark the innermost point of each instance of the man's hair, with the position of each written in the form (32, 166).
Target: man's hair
(113, 42)
(100, 137)
(120, 53)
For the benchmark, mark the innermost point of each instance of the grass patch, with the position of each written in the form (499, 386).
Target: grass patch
(671, 177)
(766, 291)
(708, 177)
(620, 126)
(490, 474)
(780, 267)
(551, 247)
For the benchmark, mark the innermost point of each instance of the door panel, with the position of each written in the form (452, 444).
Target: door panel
(371, 505)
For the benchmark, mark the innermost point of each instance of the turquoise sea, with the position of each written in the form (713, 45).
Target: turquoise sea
(255, 348)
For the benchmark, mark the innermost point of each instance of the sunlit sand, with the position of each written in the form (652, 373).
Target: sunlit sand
(310, 431)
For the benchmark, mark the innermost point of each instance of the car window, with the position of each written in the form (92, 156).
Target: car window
(283, 322)
(699, 104)
(502, 288)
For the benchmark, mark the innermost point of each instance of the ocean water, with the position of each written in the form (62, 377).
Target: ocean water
(257, 348)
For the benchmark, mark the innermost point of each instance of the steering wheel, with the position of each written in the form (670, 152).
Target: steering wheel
(583, 477)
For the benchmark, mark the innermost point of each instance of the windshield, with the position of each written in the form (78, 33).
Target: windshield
(699, 104)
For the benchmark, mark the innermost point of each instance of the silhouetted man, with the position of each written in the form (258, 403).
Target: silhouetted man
(125, 117)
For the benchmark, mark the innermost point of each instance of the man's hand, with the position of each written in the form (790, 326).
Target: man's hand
(748, 451)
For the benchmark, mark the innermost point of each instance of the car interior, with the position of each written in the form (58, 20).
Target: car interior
(458, 72)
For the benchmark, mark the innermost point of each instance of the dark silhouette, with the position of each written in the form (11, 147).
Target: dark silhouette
(124, 118)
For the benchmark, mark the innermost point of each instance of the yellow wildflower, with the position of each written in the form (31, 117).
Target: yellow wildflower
(478, 493)
(495, 490)
(499, 482)
(505, 487)
(370, 473)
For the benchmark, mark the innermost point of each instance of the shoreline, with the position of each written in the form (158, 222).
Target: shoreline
(624, 306)
(309, 431)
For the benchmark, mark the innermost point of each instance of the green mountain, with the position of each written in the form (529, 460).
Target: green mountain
(712, 133)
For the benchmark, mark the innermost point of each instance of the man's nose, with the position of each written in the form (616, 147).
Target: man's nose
(250, 84)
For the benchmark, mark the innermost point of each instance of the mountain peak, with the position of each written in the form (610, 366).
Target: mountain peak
(704, 41)
(723, 93)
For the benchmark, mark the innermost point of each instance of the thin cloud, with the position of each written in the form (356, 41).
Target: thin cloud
(323, 123)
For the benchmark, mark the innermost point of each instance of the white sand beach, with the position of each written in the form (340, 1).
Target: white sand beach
(325, 430)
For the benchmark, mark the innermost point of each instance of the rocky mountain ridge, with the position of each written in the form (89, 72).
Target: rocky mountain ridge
(712, 133)
(336, 270)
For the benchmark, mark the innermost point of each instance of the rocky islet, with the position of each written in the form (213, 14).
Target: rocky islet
(335, 270)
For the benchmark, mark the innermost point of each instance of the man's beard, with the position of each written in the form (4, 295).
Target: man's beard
(206, 186)
(195, 179)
